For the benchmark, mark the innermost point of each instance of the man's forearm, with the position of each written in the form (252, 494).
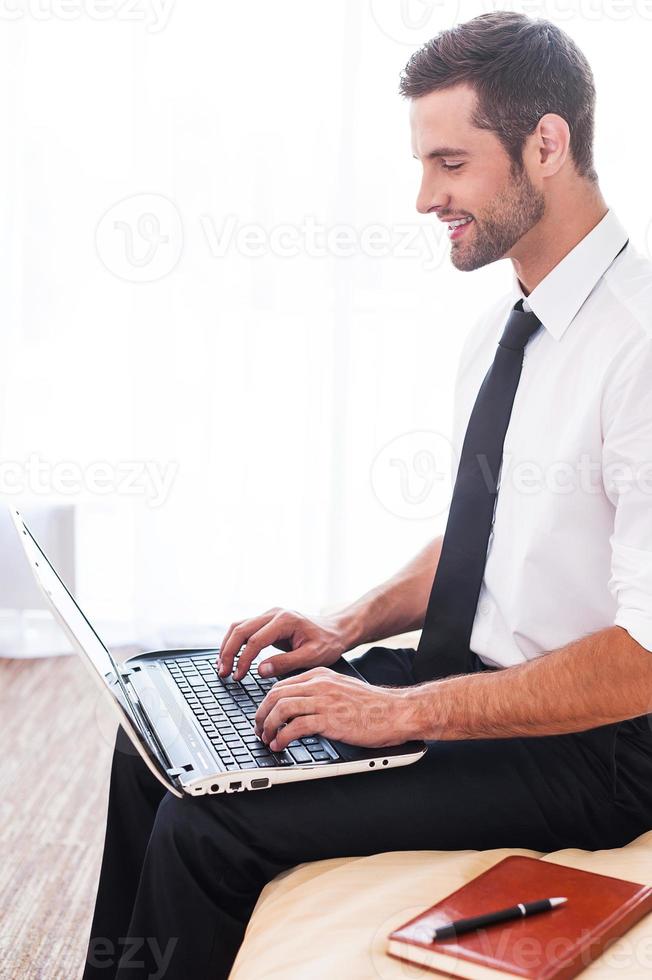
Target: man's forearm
(396, 606)
(603, 678)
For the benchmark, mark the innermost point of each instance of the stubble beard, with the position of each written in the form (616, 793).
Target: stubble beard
(511, 215)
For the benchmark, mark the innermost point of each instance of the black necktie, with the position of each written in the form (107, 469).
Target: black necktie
(444, 646)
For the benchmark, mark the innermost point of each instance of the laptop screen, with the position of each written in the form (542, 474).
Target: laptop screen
(90, 647)
(69, 614)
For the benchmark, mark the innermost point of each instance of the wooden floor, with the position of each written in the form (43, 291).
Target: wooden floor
(57, 740)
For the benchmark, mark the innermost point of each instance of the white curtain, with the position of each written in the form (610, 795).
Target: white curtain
(228, 337)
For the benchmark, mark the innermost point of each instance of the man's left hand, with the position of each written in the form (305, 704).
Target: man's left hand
(322, 702)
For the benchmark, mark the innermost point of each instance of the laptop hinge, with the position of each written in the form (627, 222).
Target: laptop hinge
(179, 771)
(124, 674)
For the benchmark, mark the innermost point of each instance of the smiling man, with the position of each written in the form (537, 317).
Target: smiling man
(533, 675)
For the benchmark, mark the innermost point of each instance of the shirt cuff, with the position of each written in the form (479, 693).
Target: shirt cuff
(631, 586)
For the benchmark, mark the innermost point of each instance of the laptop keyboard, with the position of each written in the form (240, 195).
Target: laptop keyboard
(226, 711)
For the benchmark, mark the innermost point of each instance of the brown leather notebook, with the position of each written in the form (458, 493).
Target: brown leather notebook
(555, 945)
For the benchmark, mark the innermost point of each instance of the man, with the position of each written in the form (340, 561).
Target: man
(534, 673)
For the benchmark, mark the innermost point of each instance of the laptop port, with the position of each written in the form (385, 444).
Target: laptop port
(235, 785)
(259, 783)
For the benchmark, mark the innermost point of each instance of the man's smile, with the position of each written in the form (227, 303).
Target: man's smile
(458, 226)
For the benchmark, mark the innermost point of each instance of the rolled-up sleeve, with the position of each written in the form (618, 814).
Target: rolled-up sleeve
(627, 478)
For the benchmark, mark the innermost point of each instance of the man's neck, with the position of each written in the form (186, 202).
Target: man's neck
(562, 227)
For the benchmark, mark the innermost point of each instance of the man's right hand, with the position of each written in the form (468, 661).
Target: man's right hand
(307, 643)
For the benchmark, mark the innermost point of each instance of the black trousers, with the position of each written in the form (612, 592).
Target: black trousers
(180, 877)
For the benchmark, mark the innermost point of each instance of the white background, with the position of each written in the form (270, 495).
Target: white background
(301, 398)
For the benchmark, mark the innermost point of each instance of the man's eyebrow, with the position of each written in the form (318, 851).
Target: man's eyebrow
(444, 151)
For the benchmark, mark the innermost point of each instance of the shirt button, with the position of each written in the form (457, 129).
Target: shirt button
(484, 608)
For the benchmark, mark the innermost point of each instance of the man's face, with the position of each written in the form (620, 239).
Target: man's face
(468, 174)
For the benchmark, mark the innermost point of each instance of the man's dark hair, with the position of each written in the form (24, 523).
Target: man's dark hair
(521, 68)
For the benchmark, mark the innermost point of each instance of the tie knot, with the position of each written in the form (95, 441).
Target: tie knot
(519, 328)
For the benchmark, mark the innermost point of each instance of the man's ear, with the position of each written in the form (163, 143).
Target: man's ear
(552, 143)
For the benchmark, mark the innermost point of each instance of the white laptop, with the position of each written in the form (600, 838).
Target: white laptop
(194, 729)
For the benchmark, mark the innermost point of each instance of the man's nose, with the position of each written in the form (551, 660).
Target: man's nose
(431, 197)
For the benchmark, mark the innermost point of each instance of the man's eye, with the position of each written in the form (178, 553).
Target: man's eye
(452, 166)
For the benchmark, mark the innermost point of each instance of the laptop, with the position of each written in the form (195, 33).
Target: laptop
(194, 729)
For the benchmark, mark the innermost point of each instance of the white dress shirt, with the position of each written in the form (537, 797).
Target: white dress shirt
(570, 551)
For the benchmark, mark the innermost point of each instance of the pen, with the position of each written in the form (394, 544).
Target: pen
(490, 918)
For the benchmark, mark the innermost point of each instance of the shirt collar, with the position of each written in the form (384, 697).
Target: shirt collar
(558, 297)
